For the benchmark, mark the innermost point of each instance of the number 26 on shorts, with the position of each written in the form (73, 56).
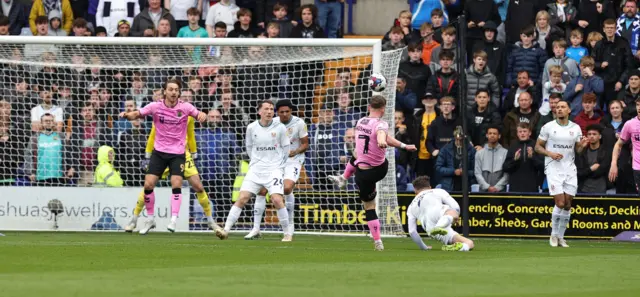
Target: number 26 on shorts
(277, 182)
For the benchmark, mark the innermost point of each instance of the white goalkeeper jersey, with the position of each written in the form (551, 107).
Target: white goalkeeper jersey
(296, 130)
(562, 140)
(430, 199)
(268, 147)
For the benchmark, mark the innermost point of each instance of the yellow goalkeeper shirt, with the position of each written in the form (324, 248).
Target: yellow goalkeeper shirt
(191, 147)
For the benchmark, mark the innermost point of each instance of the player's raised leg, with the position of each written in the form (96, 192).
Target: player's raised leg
(136, 213)
(341, 180)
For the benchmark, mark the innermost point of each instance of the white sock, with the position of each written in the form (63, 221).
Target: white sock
(233, 216)
(174, 219)
(465, 247)
(283, 217)
(134, 219)
(290, 204)
(258, 211)
(555, 220)
(210, 219)
(444, 221)
(565, 217)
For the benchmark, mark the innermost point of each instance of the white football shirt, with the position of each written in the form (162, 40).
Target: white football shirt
(296, 130)
(562, 140)
(430, 199)
(268, 147)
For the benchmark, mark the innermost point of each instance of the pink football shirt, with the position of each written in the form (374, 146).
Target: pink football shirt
(367, 148)
(171, 125)
(631, 131)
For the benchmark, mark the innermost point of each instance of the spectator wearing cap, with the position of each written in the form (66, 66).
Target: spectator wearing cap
(589, 114)
(15, 11)
(630, 94)
(324, 139)
(415, 71)
(495, 50)
(124, 29)
(101, 32)
(111, 13)
(422, 121)
(45, 7)
(449, 163)
(150, 17)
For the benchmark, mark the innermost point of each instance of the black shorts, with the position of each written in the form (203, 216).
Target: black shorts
(366, 180)
(160, 161)
(636, 178)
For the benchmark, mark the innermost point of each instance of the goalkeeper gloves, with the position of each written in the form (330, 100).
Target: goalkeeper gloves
(144, 164)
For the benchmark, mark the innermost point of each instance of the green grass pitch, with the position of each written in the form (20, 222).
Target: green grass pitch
(118, 264)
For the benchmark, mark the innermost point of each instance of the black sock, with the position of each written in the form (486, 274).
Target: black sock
(147, 192)
(176, 191)
(370, 215)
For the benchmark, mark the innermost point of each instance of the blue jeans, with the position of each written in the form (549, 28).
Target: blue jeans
(329, 14)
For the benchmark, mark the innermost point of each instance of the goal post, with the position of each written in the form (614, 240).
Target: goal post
(65, 93)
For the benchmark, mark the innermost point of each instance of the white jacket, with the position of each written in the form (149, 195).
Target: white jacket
(110, 12)
(223, 13)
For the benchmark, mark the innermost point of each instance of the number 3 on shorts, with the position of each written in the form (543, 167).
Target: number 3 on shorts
(277, 182)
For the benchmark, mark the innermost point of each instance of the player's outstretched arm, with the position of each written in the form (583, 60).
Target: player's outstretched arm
(132, 115)
(396, 143)
(413, 232)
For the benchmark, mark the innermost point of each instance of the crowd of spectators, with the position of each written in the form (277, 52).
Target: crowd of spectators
(522, 58)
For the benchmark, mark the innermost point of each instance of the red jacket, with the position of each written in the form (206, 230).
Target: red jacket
(584, 121)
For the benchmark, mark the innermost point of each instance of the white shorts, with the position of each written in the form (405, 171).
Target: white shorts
(562, 183)
(272, 181)
(431, 219)
(292, 171)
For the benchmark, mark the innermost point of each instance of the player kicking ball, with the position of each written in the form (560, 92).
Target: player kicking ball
(297, 133)
(268, 147)
(559, 141)
(170, 117)
(190, 173)
(436, 210)
(371, 165)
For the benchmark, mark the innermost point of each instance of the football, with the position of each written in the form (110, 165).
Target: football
(377, 82)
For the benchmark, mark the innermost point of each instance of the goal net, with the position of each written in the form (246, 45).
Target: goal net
(62, 97)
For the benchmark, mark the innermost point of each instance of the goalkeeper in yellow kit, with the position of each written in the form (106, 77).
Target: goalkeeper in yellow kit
(190, 173)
